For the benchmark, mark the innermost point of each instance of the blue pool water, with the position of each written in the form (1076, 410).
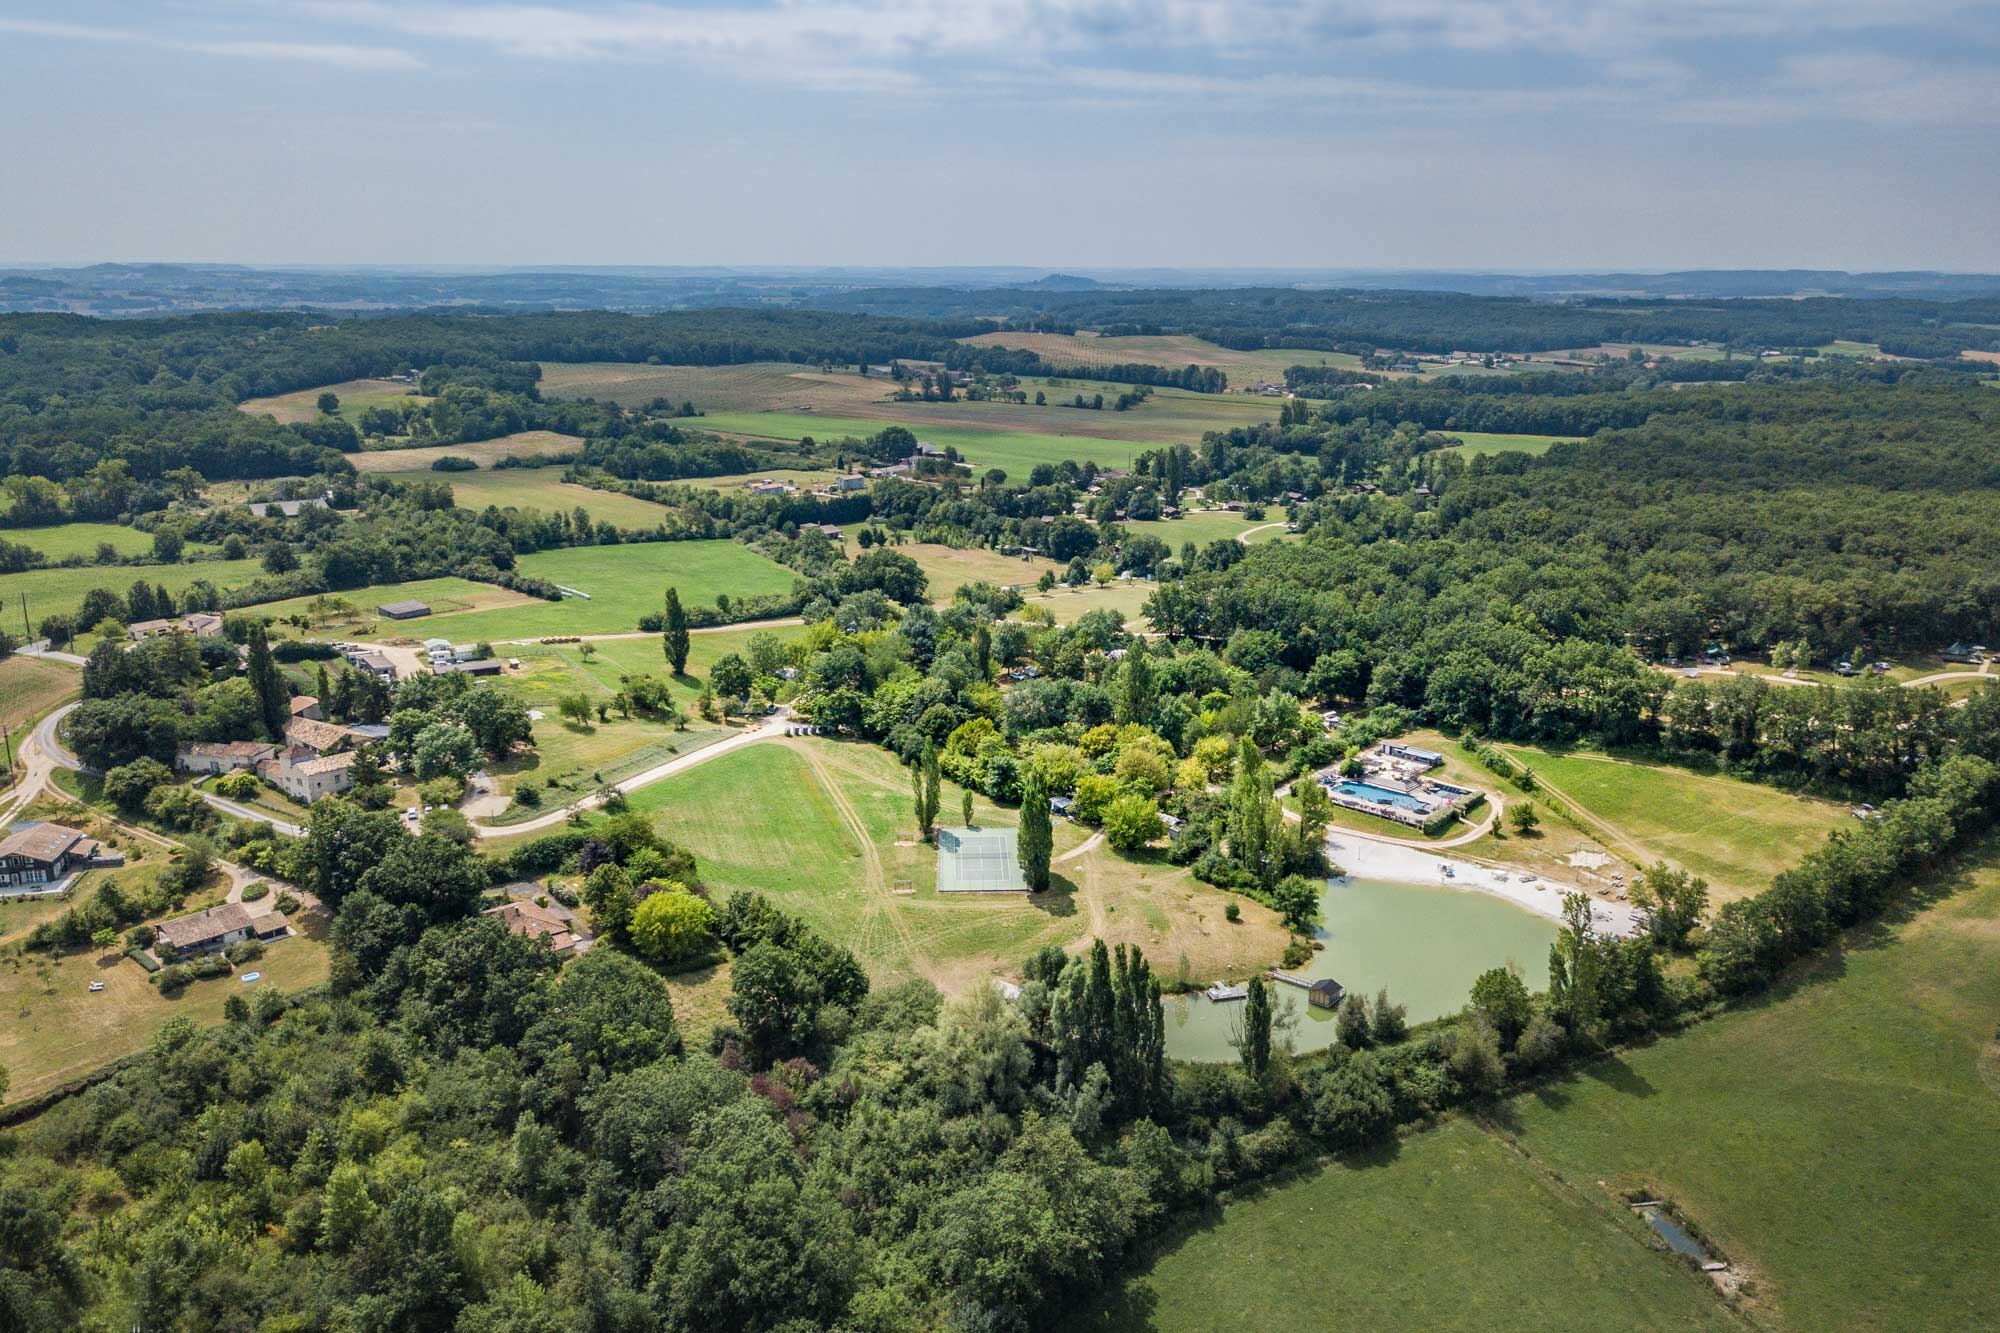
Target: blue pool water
(1368, 791)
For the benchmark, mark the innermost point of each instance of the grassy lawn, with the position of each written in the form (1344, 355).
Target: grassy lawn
(356, 397)
(624, 582)
(538, 488)
(57, 1029)
(826, 829)
(1734, 834)
(51, 590)
(1069, 605)
(353, 612)
(1205, 526)
(1486, 442)
(1368, 1243)
(63, 540)
(803, 478)
(948, 567)
(268, 799)
(1835, 1141)
(526, 444)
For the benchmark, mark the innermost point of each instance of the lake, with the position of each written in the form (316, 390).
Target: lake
(1425, 942)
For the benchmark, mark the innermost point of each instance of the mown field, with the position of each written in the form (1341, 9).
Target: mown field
(1014, 452)
(538, 488)
(356, 397)
(51, 590)
(1486, 442)
(948, 567)
(1205, 526)
(526, 444)
(62, 540)
(31, 686)
(1836, 1141)
(1735, 834)
(624, 583)
(1068, 605)
(352, 613)
(1444, 1230)
(827, 830)
(1173, 351)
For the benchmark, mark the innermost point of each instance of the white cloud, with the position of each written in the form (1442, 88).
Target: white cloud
(339, 55)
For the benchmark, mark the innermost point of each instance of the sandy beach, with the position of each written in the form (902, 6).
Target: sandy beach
(1365, 858)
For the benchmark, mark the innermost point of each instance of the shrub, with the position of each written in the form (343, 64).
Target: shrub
(672, 926)
(256, 892)
(287, 903)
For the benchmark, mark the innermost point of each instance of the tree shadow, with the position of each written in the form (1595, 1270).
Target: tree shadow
(1059, 899)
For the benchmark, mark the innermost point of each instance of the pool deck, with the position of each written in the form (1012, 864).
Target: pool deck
(1368, 858)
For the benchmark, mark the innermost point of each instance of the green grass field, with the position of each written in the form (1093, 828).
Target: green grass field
(827, 830)
(1734, 834)
(352, 613)
(1485, 442)
(527, 444)
(949, 567)
(1444, 1230)
(356, 397)
(538, 488)
(1015, 453)
(1835, 1141)
(1207, 525)
(63, 540)
(624, 583)
(51, 590)
(1172, 351)
(1068, 605)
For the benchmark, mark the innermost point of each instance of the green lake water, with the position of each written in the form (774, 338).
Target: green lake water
(1425, 942)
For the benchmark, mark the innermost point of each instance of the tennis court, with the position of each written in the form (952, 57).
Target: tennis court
(978, 861)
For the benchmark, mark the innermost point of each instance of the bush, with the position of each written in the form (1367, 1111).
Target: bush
(256, 892)
(672, 926)
(528, 794)
(454, 463)
(287, 903)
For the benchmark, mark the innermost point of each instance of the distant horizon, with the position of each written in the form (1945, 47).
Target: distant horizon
(1043, 270)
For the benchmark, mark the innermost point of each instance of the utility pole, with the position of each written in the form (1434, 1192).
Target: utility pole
(7, 741)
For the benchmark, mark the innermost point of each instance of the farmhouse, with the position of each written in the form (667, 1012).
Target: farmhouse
(287, 508)
(405, 610)
(529, 920)
(374, 663)
(305, 776)
(201, 624)
(319, 737)
(222, 756)
(306, 706)
(218, 928)
(769, 488)
(44, 853)
(848, 484)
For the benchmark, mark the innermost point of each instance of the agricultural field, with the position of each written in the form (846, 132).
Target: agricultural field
(1069, 605)
(1732, 833)
(62, 540)
(356, 397)
(1361, 1243)
(1172, 351)
(1207, 525)
(48, 591)
(351, 614)
(1848, 347)
(538, 488)
(1014, 452)
(803, 478)
(1487, 442)
(31, 686)
(948, 567)
(624, 582)
(57, 1029)
(526, 444)
(826, 830)
(1866, 1090)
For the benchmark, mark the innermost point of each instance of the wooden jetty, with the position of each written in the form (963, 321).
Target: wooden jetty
(1222, 991)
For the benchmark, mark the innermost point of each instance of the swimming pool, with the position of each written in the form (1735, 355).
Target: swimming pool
(1368, 791)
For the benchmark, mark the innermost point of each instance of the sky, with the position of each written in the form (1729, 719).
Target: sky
(1491, 134)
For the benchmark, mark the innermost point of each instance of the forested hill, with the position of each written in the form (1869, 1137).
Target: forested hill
(1440, 322)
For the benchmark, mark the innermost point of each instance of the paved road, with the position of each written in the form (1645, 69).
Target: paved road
(229, 807)
(772, 728)
(1244, 536)
(40, 648)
